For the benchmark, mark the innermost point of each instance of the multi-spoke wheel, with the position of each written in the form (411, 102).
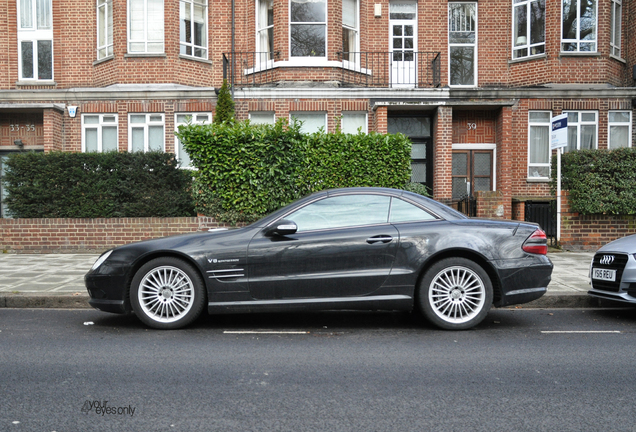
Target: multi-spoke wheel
(167, 293)
(455, 294)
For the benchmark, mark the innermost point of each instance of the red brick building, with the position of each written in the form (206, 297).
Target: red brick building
(473, 83)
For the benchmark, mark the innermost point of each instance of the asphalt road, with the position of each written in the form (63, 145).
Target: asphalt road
(520, 370)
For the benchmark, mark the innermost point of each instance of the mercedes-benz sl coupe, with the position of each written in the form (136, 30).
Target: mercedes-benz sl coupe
(357, 248)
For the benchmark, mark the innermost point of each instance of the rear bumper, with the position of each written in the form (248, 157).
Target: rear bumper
(524, 280)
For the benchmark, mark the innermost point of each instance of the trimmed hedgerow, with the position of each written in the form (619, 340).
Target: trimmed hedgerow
(92, 185)
(599, 181)
(245, 171)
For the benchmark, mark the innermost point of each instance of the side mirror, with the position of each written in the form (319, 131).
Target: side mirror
(282, 228)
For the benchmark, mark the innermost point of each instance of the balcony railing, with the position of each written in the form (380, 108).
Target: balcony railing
(249, 69)
(390, 69)
(408, 69)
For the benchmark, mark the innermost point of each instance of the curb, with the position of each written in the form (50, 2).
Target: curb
(80, 301)
(43, 301)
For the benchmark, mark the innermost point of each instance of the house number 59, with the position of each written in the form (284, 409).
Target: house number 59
(472, 126)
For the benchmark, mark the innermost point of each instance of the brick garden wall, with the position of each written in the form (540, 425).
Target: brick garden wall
(590, 232)
(91, 235)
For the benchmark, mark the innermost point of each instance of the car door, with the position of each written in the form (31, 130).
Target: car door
(344, 246)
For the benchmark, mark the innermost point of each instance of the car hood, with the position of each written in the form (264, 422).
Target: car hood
(625, 244)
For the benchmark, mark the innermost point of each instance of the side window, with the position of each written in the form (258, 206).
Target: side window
(402, 211)
(342, 211)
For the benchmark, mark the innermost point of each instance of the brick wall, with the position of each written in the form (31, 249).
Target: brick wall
(490, 204)
(91, 235)
(590, 232)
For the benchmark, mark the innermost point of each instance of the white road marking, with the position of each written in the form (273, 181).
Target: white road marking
(264, 332)
(580, 331)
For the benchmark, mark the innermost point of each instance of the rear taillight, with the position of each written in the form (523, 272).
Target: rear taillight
(537, 243)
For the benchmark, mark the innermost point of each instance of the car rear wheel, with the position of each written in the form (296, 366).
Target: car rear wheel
(455, 294)
(167, 293)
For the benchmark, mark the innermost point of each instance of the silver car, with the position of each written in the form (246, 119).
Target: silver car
(613, 271)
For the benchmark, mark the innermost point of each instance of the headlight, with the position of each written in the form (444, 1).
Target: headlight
(101, 259)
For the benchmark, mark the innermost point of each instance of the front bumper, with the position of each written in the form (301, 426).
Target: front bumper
(107, 293)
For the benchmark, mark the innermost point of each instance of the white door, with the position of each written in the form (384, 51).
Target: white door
(403, 43)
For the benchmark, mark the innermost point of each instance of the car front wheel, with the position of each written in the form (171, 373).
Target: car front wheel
(455, 294)
(167, 293)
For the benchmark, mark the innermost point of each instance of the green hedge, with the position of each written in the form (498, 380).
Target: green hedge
(599, 181)
(245, 171)
(91, 185)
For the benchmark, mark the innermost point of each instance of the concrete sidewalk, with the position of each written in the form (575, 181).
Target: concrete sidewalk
(57, 280)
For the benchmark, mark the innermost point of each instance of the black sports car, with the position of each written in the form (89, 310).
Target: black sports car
(359, 248)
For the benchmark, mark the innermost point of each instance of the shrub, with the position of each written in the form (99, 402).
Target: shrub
(246, 171)
(599, 181)
(91, 185)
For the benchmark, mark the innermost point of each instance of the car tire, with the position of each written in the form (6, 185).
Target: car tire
(167, 293)
(455, 294)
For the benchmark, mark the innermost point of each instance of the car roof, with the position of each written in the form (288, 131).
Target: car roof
(436, 207)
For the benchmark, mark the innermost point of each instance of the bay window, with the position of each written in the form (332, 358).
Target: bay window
(308, 28)
(145, 26)
(193, 29)
(265, 30)
(350, 30)
(528, 35)
(104, 29)
(615, 28)
(312, 121)
(578, 24)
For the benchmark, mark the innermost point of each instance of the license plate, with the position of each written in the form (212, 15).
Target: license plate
(604, 274)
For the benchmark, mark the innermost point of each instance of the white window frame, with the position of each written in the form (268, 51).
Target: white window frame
(263, 113)
(627, 124)
(263, 32)
(149, 121)
(616, 28)
(37, 31)
(456, 44)
(365, 126)
(145, 40)
(192, 46)
(578, 41)
(294, 114)
(353, 53)
(99, 126)
(312, 59)
(518, 45)
(104, 29)
(195, 118)
(539, 124)
(579, 124)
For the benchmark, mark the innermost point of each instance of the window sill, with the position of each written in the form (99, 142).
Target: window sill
(196, 59)
(620, 59)
(528, 58)
(579, 54)
(39, 83)
(104, 60)
(538, 180)
(142, 55)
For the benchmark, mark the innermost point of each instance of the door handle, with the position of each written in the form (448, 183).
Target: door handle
(379, 238)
